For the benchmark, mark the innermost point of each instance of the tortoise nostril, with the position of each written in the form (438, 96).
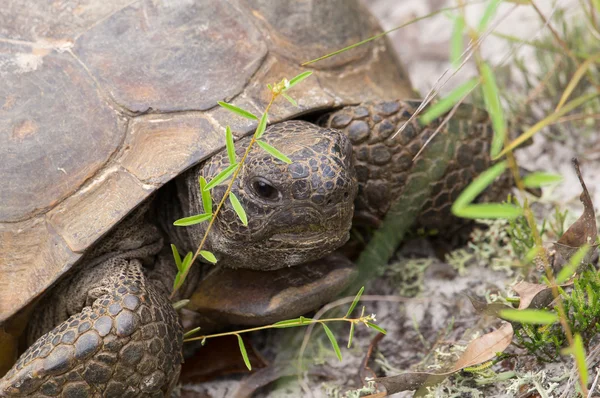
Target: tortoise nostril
(329, 202)
(346, 195)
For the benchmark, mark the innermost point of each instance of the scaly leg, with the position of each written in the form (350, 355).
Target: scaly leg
(384, 162)
(125, 342)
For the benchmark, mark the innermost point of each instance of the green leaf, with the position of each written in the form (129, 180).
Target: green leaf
(489, 211)
(529, 316)
(238, 111)
(485, 179)
(574, 262)
(222, 176)
(187, 262)
(333, 341)
(191, 332)
(290, 323)
(445, 104)
(180, 304)
(177, 281)
(206, 198)
(488, 14)
(274, 152)
(355, 302)
(456, 41)
(176, 256)
(197, 219)
(578, 352)
(376, 327)
(208, 256)
(230, 145)
(290, 99)
(351, 334)
(538, 179)
(492, 105)
(243, 352)
(297, 79)
(262, 126)
(239, 209)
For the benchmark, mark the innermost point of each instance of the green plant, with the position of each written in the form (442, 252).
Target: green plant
(557, 225)
(528, 240)
(367, 320)
(521, 235)
(231, 172)
(582, 307)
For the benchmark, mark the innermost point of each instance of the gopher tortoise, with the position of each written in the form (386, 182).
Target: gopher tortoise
(102, 103)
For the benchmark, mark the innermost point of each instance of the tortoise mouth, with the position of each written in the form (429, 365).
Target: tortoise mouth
(299, 234)
(311, 235)
(257, 297)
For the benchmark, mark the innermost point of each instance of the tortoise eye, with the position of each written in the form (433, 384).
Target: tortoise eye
(265, 190)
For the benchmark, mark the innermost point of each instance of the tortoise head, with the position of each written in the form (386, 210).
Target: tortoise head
(296, 212)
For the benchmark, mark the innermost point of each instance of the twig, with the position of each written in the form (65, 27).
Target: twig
(593, 384)
(365, 361)
(223, 199)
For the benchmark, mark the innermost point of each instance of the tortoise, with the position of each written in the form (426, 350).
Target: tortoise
(104, 103)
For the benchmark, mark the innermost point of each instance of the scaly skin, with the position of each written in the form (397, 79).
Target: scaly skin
(123, 338)
(126, 344)
(384, 164)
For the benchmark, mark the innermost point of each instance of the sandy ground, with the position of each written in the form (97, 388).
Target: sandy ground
(414, 327)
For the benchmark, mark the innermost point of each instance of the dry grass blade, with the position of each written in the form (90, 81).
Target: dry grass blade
(520, 140)
(581, 70)
(380, 35)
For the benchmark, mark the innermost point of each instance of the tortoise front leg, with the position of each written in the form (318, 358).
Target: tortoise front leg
(384, 160)
(126, 343)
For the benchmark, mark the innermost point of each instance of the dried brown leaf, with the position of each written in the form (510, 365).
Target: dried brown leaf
(485, 347)
(483, 307)
(410, 381)
(584, 230)
(566, 252)
(478, 351)
(538, 294)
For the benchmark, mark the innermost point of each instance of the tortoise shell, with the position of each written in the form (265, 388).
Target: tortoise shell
(102, 103)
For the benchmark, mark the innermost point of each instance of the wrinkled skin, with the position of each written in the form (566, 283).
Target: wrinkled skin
(296, 213)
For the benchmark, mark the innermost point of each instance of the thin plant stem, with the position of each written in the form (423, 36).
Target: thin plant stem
(304, 322)
(562, 43)
(274, 95)
(382, 34)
